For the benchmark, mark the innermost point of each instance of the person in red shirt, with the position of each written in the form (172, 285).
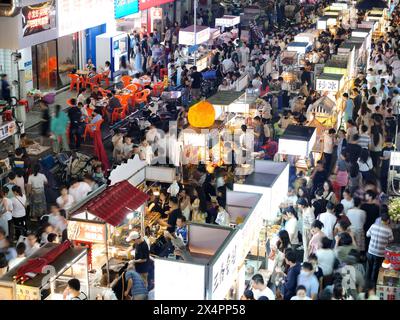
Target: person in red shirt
(270, 149)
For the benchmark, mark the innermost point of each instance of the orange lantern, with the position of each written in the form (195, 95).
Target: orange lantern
(201, 115)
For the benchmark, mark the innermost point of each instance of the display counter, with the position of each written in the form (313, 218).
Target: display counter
(50, 283)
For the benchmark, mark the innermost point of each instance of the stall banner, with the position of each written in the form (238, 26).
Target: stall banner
(147, 4)
(39, 17)
(327, 85)
(27, 293)
(225, 269)
(123, 8)
(86, 231)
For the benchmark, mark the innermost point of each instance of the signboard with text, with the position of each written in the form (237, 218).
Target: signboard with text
(27, 293)
(86, 231)
(327, 85)
(38, 18)
(125, 8)
(147, 4)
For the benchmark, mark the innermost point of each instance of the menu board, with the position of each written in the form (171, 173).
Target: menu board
(27, 293)
(39, 17)
(86, 231)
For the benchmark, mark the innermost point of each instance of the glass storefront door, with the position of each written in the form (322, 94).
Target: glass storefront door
(44, 62)
(53, 60)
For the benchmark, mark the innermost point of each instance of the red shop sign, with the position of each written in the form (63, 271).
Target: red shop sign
(147, 4)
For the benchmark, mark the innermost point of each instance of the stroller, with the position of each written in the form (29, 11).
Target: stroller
(74, 165)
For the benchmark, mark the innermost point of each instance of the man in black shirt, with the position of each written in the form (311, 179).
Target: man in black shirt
(75, 118)
(357, 100)
(142, 255)
(353, 150)
(360, 80)
(173, 215)
(372, 211)
(96, 94)
(319, 205)
(196, 83)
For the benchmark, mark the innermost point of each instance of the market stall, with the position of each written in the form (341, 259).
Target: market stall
(270, 179)
(204, 243)
(326, 22)
(102, 224)
(214, 264)
(194, 53)
(44, 276)
(388, 283)
(227, 25)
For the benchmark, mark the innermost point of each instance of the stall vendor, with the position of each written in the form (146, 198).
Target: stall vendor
(142, 255)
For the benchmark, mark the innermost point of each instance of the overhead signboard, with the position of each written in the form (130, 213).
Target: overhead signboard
(39, 17)
(86, 231)
(125, 8)
(78, 15)
(147, 4)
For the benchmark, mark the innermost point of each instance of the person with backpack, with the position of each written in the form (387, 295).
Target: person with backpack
(73, 291)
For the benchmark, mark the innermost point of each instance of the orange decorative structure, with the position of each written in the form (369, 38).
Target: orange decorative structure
(202, 115)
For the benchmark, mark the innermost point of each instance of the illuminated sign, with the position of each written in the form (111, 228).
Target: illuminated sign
(38, 18)
(147, 4)
(86, 231)
(327, 85)
(125, 8)
(78, 15)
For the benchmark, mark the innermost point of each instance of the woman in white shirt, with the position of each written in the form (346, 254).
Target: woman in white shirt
(291, 225)
(35, 189)
(308, 217)
(347, 201)
(19, 211)
(224, 86)
(5, 213)
(326, 257)
(81, 96)
(65, 200)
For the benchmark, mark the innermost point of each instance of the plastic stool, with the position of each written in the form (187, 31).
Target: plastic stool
(24, 102)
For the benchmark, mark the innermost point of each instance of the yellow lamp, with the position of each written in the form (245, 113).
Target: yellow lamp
(201, 115)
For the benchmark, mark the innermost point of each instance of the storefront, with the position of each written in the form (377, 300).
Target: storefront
(155, 14)
(44, 276)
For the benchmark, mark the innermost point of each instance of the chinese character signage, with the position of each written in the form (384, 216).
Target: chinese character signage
(38, 18)
(147, 4)
(27, 293)
(225, 268)
(86, 231)
(327, 85)
(125, 8)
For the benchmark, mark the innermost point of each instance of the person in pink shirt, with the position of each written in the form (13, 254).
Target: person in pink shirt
(317, 235)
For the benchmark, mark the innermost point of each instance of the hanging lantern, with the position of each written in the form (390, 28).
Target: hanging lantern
(201, 115)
